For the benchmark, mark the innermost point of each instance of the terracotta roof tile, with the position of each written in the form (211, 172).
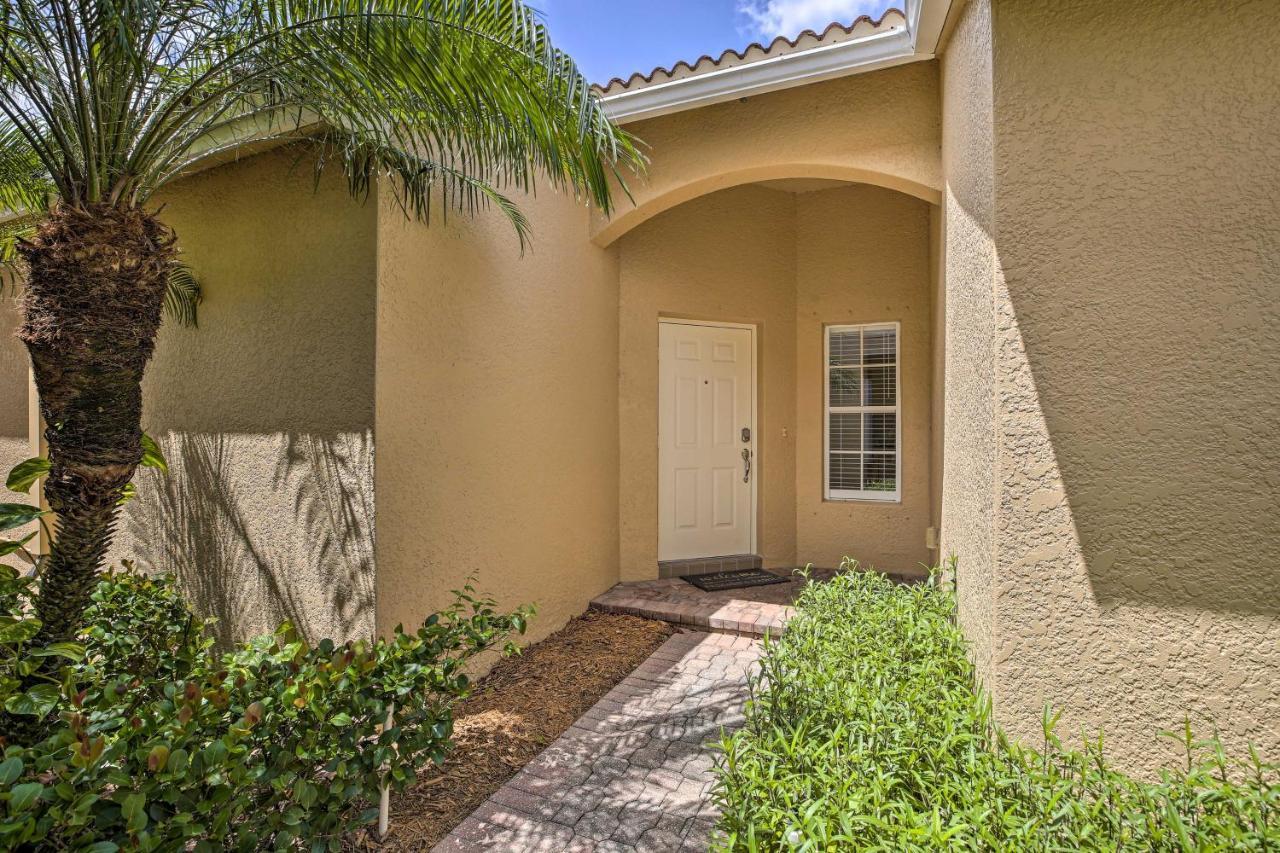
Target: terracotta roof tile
(755, 52)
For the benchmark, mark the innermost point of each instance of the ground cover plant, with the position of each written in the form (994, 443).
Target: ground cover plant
(865, 732)
(158, 742)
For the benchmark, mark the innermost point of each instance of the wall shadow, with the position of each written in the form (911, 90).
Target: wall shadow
(266, 410)
(14, 445)
(1143, 300)
(263, 528)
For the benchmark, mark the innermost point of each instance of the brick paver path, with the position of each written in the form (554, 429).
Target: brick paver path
(634, 772)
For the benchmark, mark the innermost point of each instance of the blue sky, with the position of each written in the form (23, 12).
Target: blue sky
(612, 38)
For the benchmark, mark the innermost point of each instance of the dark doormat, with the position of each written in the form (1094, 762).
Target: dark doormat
(717, 581)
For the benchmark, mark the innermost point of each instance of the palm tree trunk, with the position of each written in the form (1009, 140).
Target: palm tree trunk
(92, 308)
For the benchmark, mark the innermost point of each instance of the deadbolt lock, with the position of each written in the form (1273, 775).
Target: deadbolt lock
(746, 434)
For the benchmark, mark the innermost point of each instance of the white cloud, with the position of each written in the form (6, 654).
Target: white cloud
(766, 19)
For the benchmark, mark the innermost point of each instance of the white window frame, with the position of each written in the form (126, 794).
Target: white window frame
(827, 410)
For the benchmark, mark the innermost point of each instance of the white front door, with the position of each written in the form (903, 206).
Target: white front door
(705, 425)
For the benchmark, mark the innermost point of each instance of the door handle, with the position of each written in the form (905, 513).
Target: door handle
(746, 465)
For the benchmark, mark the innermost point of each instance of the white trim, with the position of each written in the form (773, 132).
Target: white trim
(927, 18)
(829, 493)
(913, 42)
(756, 443)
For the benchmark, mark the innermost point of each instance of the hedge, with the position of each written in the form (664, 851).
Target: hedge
(865, 731)
(155, 741)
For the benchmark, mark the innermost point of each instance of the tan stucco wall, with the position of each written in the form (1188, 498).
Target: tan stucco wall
(266, 411)
(969, 270)
(938, 371)
(882, 127)
(1136, 223)
(862, 256)
(726, 256)
(497, 413)
(14, 443)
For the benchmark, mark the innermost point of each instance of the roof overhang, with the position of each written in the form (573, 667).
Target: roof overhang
(915, 42)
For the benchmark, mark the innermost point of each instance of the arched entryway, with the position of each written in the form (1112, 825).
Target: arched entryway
(789, 257)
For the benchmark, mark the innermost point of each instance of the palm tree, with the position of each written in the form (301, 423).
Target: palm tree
(105, 101)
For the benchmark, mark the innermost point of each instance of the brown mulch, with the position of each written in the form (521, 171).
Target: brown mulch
(523, 704)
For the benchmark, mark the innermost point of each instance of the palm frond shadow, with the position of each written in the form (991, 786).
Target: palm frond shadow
(253, 569)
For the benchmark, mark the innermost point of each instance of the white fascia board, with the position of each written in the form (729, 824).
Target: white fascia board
(926, 18)
(912, 43)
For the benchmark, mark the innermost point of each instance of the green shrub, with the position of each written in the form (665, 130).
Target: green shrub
(159, 743)
(865, 732)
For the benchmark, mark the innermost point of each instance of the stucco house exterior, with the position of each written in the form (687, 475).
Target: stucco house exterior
(996, 280)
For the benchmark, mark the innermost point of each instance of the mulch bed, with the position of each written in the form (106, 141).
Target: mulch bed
(521, 706)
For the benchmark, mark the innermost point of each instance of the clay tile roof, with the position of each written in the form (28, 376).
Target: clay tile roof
(755, 52)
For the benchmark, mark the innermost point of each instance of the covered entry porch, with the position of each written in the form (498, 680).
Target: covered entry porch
(799, 228)
(776, 381)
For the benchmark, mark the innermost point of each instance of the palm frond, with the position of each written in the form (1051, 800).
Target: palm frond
(182, 295)
(418, 181)
(466, 101)
(24, 182)
(11, 231)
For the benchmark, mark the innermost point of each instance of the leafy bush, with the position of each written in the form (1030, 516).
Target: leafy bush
(158, 743)
(865, 732)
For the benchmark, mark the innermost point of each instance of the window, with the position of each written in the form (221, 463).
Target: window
(863, 419)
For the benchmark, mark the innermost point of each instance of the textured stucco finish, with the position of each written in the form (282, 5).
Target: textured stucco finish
(727, 256)
(863, 257)
(14, 443)
(497, 413)
(969, 269)
(1124, 243)
(265, 411)
(881, 128)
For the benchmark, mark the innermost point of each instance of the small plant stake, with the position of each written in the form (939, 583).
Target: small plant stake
(384, 802)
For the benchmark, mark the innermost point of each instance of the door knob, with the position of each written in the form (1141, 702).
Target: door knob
(746, 465)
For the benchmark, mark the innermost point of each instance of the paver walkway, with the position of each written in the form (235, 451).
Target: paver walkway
(634, 772)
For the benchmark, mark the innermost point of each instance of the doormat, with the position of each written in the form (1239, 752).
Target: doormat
(717, 581)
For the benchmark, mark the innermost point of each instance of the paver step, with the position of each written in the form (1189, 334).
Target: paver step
(683, 604)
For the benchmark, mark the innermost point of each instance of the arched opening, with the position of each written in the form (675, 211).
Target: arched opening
(789, 252)
(649, 200)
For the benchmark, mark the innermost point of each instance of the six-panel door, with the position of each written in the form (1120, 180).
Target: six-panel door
(704, 421)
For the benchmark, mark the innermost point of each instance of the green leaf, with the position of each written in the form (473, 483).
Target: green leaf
(134, 812)
(102, 847)
(14, 631)
(152, 457)
(22, 797)
(24, 475)
(16, 515)
(70, 651)
(128, 493)
(37, 701)
(157, 758)
(9, 546)
(10, 769)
